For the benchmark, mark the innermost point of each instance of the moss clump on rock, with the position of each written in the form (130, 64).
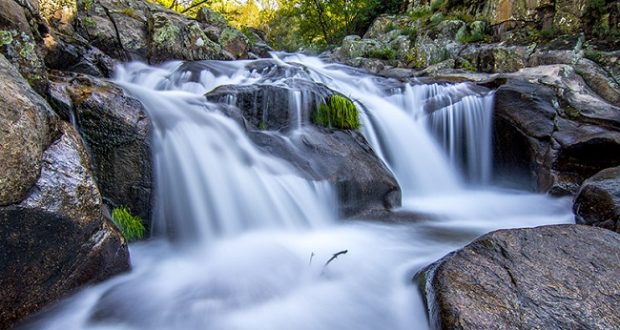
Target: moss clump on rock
(130, 225)
(337, 112)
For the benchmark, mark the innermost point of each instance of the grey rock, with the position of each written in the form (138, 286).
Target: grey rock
(598, 200)
(551, 277)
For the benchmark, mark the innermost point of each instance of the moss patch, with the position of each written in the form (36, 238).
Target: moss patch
(130, 225)
(337, 112)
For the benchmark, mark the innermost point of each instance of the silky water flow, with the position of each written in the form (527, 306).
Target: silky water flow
(240, 240)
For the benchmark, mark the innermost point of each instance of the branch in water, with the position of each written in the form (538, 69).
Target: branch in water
(334, 257)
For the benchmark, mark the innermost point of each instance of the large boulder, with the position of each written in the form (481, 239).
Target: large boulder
(56, 239)
(598, 200)
(26, 129)
(553, 130)
(342, 157)
(552, 277)
(117, 131)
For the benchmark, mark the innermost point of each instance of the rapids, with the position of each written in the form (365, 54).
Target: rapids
(240, 241)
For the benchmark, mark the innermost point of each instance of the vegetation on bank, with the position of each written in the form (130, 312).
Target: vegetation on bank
(295, 24)
(337, 112)
(130, 225)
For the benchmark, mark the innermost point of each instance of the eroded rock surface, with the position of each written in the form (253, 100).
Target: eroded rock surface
(598, 200)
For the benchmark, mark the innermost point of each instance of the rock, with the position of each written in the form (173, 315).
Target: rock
(27, 126)
(21, 49)
(175, 37)
(117, 27)
(75, 54)
(117, 131)
(354, 46)
(210, 17)
(598, 200)
(341, 157)
(234, 42)
(551, 277)
(56, 240)
(552, 129)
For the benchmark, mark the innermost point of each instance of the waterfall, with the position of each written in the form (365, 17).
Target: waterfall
(258, 235)
(211, 181)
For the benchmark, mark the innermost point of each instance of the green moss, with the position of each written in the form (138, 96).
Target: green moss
(6, 37)
(167, 34)
(383, 54)
(571, 113)
(262, 126)
(338, 112)
(466, 65)
(129, 12)
(89, 22)
(389, 27)
(130, 225)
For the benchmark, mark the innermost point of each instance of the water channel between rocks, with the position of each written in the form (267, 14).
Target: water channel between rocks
(240, 238)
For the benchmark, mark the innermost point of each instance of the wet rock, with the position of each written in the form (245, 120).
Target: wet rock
(74, 54)
(20, 48)
(553, 130)
(234, 42)
(117, 131)
(27, 126)
(56, 239)
(551, 277)
(598, 200)
(341, 157)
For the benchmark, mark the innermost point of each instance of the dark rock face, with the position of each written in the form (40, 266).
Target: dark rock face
(56, 239)
(555, 133)
(551, 277)
(117, 132)
(341, 157)
(598, 200)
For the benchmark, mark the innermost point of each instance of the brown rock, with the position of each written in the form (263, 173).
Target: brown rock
(598, 200)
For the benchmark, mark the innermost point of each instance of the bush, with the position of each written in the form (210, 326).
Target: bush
(130, 225)
(383, 54)
(338, 112)
(437, 4)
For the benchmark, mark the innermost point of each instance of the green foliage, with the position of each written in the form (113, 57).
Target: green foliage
(89, 22)
(463, 36)
(338, 112)
(437, 18)
(130, 12)
(420, 12)
(6, 37)
(385, 53)
(437, 5)
(130, 225)
(411, 32)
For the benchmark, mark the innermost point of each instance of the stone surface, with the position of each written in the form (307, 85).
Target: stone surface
(598, 200)
(117, 131)
(56, 240)
(26, 128)
(342, 157)
(552, 277)
(552, 130)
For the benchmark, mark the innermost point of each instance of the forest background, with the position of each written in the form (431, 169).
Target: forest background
(293, 25)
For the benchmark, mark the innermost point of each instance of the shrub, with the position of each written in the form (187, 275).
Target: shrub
(338, 112)
(420, 12)
(130, 225)
(437, 4)
(383, 53)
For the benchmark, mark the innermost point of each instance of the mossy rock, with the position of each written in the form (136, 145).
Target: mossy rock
(337, 112)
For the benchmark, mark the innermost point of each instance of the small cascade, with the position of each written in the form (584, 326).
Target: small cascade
(212, 181)
(259, 235)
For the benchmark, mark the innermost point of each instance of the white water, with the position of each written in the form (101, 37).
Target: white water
(257, 236)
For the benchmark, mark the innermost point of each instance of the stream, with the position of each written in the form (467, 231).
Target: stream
(241, 241)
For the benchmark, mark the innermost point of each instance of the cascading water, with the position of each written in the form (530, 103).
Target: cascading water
(258, 235)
